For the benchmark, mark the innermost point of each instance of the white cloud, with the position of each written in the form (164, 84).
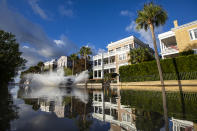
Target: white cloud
(25, 46)
(36, 8)
(145, 36)
(42, 47)
(59, 42)
(126, 13)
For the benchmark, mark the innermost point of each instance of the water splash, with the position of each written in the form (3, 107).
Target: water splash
(54, 86)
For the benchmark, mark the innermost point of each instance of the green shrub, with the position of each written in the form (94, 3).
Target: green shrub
(183, 67)
(185, 53)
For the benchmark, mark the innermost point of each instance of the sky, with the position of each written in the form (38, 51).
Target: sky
(47, 29)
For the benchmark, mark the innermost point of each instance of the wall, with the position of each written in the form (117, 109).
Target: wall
(183, 37)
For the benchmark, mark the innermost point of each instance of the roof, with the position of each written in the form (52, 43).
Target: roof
(120, 41)
(185, 25)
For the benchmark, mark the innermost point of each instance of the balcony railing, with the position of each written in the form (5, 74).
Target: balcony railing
(171, 49)
(112, 53)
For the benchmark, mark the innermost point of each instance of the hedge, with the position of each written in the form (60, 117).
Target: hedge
(183, 67)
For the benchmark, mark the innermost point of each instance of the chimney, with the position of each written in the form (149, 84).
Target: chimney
(175, 23)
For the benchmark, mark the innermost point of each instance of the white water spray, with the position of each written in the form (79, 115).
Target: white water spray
(54, 85)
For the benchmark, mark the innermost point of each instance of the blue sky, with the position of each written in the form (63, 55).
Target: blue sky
(74, 23)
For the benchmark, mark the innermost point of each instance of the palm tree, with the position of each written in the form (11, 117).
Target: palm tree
(73, 57)
(140, 55)
(85, 52)
(152, 16)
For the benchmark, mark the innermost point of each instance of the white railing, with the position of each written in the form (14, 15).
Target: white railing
(108, 54)
(170, 50)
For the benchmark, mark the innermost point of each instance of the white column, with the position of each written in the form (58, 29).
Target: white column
(161, 45)
(102, 67)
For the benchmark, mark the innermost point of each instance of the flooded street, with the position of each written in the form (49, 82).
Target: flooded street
(96, 109)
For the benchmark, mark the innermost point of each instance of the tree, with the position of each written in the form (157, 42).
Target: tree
(152, 16)
(73, 57)
(41, 65)
(10, 57)
(85, 52)
(140, 55)
(67, 71)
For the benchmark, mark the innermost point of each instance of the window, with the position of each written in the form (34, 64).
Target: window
(126, 46)
(122, 56)
(95, 73)
(99, 73)
(99, 62)
(110, 51)
(95, 63)
(118, 49)
(193, 34)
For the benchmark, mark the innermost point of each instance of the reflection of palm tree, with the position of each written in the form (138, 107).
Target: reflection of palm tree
(84, 121)
(152, 16)
(151, 121)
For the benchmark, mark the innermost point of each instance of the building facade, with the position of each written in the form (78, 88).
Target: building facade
(50, 64)
(116, 56)
(64, 61)
(178, 39)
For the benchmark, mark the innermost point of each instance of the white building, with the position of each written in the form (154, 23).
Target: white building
(50, 64)
(178, 39)
(119, 116)
(116, 56)
(64, 61)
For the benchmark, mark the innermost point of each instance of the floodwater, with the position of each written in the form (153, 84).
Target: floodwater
(95, 110)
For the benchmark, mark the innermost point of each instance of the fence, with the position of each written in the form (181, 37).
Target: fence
(166, 76)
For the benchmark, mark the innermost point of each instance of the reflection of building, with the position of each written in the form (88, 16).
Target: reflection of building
(182, 125)
(51, 106)
(120, 117)
(178, 39)
(116, 56)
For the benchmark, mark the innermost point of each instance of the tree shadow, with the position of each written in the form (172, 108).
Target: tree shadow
(180, 87)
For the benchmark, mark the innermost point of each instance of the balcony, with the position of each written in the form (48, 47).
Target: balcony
(111, 53)
(168, 44)
(170, 50)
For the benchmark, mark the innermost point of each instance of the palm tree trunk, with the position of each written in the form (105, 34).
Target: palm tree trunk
(161, 78)
(85, 63)
(73, 67)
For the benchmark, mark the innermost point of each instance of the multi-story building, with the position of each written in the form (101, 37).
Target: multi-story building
(178, 39)
(64, 61)
(50, 64)
(116, 56)
(120, 117)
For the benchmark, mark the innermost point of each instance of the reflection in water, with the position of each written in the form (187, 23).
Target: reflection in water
(110, 110)
(106, 109)
(8, 111)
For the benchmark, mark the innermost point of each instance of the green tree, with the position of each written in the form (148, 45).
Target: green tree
(152, 16)
(73, 57)
(85, 52)
(67, 71)
(41, 65)
(33, 69)
(140, 55)
(10, 57)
